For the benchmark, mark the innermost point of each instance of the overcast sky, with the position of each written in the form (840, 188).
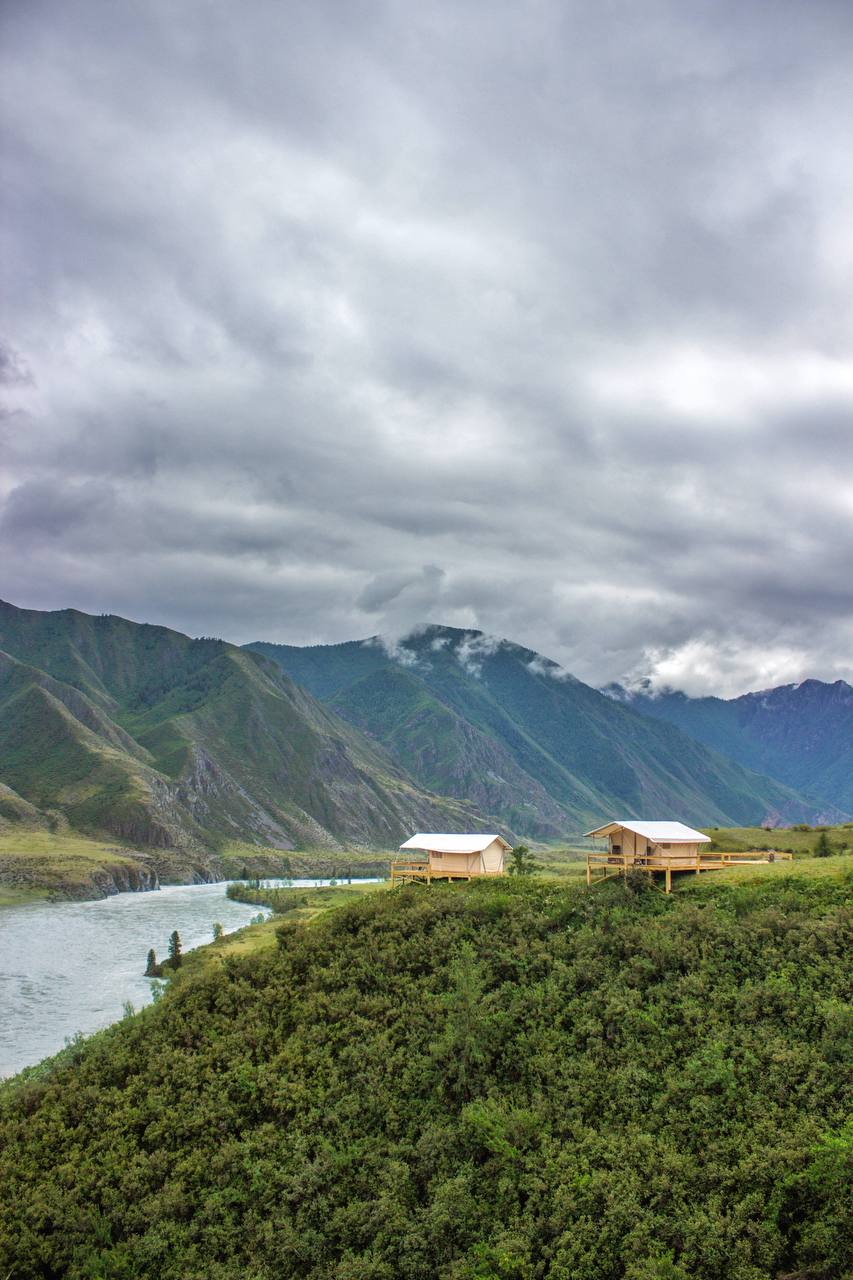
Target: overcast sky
(329, 318)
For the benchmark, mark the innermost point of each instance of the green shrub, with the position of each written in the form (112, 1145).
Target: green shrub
(512, 1080)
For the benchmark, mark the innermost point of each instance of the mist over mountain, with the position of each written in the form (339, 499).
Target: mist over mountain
(801, 734)
(479, 718)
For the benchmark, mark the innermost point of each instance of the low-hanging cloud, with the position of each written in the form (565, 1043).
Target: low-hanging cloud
(473, 649)
(542, 666)
(319, 323)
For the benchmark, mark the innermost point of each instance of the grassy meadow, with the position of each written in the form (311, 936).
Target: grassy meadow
(797, 840)
(310, 863)
(44, 864)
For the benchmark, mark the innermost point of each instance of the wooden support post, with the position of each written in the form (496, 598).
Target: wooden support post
(588, 872)
(669, 879)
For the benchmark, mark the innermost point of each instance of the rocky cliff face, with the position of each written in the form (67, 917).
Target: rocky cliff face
(123, 877)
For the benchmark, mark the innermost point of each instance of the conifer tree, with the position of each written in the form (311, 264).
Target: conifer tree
(822, 847)
(461, 1044)
(152, 969)
(175, 950)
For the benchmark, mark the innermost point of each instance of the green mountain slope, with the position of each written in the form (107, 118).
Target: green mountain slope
(447, 753)
(146, 734)
(461, 710)
(62, 753)
(510, 1081)
(799, 733)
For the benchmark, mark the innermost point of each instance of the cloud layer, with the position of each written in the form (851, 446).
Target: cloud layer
(326, 319)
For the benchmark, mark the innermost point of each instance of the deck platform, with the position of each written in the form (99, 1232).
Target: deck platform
(417, 872)
(602, 866)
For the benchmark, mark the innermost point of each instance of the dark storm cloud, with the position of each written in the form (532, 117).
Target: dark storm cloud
(326, 319)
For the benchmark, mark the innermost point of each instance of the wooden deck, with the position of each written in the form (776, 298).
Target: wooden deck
(602, 866)
(422, 873)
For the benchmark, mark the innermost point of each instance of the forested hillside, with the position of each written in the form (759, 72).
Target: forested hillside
(487, 721)
(140, 732)
(503, 1081)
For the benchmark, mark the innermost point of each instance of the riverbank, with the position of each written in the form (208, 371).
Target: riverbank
(303, 907)
(62, 867)
(49, 953)
(69, 968)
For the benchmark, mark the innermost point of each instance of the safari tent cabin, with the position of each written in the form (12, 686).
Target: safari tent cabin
(666, 844)
(450, 856)
(662, 846)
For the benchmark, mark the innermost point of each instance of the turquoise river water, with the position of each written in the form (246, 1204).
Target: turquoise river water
(69, 967)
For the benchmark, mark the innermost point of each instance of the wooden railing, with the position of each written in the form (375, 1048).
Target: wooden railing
(414, 869)
(616, 864)
(404, 870)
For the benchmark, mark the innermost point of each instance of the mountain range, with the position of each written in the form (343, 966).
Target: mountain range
(801, 734)
(490, 722)
(117, 728)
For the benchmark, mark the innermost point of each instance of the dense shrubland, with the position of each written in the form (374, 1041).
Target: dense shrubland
(498, 1082)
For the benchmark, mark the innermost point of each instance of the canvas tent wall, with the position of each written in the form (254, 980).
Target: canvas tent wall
(458, 853)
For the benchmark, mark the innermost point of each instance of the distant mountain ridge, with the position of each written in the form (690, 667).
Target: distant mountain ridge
(801, 734)
(478, 717)
(140, 732)
(136, 731)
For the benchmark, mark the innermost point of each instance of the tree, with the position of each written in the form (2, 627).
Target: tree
(217, 931)
(152, 968)
(460, 1047)
(521, 862)
(822, 847)
(175, 956)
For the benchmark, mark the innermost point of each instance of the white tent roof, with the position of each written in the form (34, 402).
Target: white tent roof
(658, 832)
(451, 842)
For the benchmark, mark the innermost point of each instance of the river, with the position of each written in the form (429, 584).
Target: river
(67, 967)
